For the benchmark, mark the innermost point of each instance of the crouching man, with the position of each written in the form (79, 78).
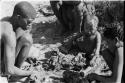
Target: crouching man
(16, 39)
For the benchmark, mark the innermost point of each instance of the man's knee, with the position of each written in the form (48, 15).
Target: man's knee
(27, 39)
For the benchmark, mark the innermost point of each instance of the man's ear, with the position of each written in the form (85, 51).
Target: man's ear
(118, 42)
(117, 39)
(15, 19)
(19, 17)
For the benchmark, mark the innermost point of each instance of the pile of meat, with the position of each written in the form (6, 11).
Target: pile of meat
(64, 68)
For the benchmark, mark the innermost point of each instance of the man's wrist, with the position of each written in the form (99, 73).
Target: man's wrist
(29, 73)
(97, 53)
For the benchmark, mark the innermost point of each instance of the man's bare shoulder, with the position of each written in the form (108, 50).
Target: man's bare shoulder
(120, 51)
(8, 33)
(98, 35)
(5, 24)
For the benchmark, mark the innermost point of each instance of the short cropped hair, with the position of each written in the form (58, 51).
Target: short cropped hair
(24, 9)
(89, 18)
(113, 31)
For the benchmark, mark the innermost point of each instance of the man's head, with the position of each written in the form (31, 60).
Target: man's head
(113, 34)
(90, 25)
(24, 14)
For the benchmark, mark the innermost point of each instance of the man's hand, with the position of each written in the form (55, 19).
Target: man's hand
(37, 76)
(96, 53)
(93, 61)
(63, 50)
(92, 76)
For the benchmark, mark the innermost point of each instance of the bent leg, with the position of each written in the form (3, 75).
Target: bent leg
(22, 49)
(65, 21)
(78, 17)
(58, 10)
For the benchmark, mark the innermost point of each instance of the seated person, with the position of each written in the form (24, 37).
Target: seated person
(89, 41)
(91, 37)
(113, 55)
(16, 39)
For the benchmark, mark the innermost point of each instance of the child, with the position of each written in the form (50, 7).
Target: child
(91, 40)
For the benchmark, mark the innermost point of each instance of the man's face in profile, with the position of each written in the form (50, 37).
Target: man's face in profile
(28, 23)
(25, 23)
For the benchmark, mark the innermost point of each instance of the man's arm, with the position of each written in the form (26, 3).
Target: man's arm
(98, 45)
(118, 65)
(22, 48)
(117, 69)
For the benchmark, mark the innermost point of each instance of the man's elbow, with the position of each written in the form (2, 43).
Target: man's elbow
(115, 79)
(10, 70)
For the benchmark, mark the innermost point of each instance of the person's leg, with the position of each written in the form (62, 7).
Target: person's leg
(78, 17)
(70, 18)
(56, 7)
(64, 19)
(2, 60)
(58, 10)
(23, 47)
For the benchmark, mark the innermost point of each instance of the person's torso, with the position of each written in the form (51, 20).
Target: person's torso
(88, 44)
